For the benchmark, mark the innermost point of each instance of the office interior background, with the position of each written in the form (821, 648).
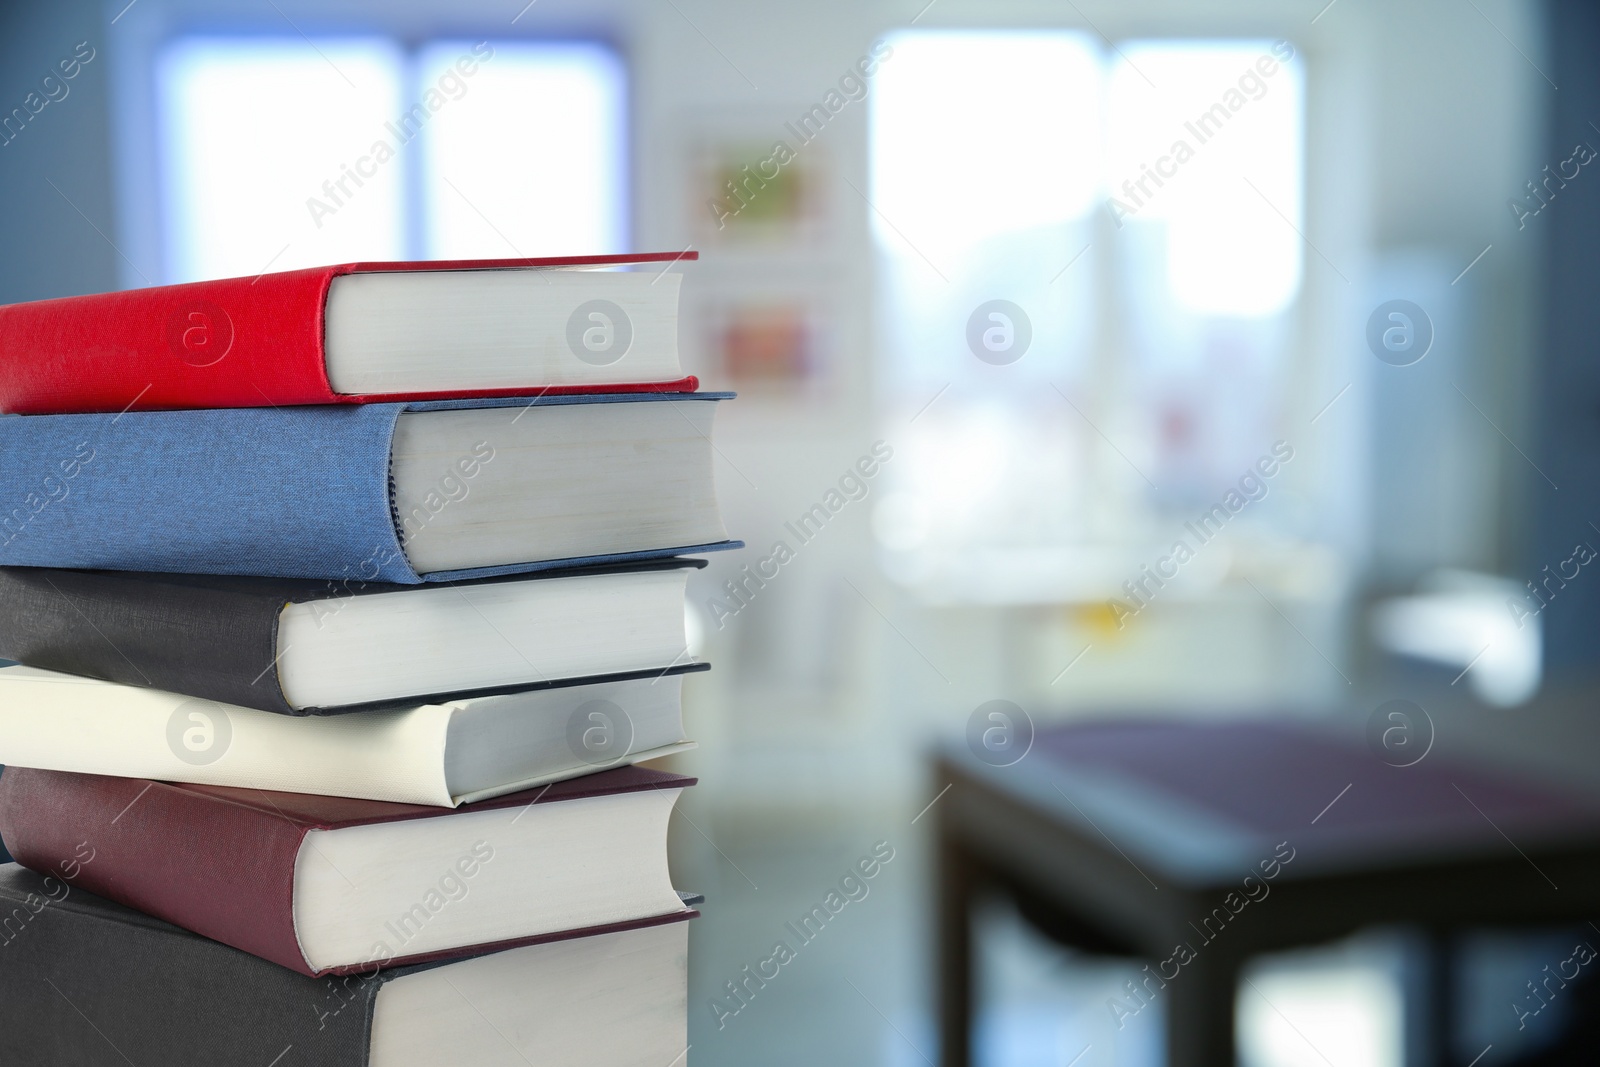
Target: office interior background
(862, 182)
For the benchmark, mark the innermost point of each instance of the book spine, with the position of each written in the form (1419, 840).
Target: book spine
(286, 492)
(235, 342)
(222, 870)
(85, 983)
(219, 644)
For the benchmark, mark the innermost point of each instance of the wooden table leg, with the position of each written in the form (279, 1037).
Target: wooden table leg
(1438, 981)
(955, 954)
(1200, 1006)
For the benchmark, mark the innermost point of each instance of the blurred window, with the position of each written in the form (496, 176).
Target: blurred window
(1029, 189)
(278, 153)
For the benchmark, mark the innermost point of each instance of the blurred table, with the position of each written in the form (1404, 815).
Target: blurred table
(1149, 838)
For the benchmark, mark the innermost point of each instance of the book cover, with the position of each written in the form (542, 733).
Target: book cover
(87, 982)
(122, 351)
(410, 755)
(296, 492)
(209, 636)
(221, 862)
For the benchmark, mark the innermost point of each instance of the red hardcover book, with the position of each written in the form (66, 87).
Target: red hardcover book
(351, 333)
(328, 885)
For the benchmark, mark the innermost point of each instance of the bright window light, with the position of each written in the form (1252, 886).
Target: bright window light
(279, 153)
(983, 133)
(527, 155)
(1138, 206)
(985, 167)
(253, 131)
(1310, 1017)
(1222, 122)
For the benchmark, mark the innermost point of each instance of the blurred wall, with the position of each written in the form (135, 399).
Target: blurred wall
(1424, 117)
(56, 176)
(1567, 394)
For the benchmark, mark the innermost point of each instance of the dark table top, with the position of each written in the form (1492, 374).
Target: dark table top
(1199, 804)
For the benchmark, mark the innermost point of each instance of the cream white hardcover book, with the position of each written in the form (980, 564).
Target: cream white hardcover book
(441, 754)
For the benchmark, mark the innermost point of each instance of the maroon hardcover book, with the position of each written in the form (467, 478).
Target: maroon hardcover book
(223, 862)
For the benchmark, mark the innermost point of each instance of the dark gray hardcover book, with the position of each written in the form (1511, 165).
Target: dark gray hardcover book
(85, 982)
(221, 637)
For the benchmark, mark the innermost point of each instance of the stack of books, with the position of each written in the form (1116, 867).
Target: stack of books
(346, 603)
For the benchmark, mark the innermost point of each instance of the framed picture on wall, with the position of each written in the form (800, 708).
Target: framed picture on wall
(768, 337)
(761, 204)
(757, 193)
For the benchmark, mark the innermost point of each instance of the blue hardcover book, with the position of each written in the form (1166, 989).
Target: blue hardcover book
(408, 493)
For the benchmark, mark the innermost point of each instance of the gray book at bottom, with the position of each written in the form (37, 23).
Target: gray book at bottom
(85, 982)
